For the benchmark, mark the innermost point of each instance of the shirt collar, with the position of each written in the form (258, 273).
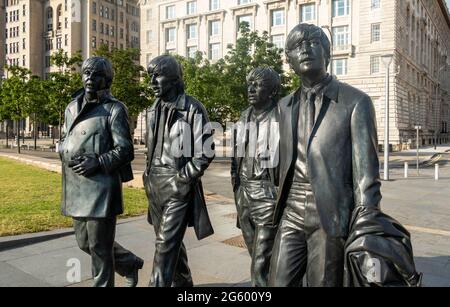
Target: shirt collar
(180, 103)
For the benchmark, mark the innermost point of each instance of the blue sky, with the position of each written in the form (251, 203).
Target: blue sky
(448, 3)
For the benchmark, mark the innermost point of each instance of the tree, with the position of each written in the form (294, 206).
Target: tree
(14, 96)
(60, 86)
(127, 86)
(37, 101)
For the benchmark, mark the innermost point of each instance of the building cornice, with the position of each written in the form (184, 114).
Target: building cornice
(445, 11)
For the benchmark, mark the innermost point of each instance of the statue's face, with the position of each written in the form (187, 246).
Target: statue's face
(259, 92)
(160, 83)
(308, 56)
(94, 80)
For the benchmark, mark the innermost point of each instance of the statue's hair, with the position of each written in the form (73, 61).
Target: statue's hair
(307, 31)
(168, 66)
(268, 75)
(100, 64)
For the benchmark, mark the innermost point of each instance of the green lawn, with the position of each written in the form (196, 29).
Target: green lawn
(30, 199)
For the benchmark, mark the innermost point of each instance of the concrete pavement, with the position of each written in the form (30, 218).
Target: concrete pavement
(419, 202)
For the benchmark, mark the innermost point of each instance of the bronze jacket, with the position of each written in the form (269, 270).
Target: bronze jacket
(101, 129)
(342, 155)
(191, 168)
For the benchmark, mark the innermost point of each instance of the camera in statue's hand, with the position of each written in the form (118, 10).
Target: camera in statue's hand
(85, 165)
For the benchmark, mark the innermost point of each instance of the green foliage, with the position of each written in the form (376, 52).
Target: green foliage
(127, 86)
(15, 102)
(60, 85)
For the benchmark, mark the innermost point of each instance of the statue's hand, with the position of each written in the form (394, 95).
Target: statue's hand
(87, 167)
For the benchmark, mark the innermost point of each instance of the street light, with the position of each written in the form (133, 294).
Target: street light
(444, 67)
(331, 48)
(387, 60)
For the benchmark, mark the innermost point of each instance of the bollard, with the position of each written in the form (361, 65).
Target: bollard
(436, 171)
(406, 169)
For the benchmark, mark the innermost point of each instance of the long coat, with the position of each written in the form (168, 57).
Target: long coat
(188, 111)
(342, 155)
(100, 129)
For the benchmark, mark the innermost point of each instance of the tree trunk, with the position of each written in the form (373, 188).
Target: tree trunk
(35, 132)
(18, 136)
(7, 128)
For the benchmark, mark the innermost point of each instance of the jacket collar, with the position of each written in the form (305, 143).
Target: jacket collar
(332, 90)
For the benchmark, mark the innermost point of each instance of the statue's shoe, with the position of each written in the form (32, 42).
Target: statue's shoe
(133, 278)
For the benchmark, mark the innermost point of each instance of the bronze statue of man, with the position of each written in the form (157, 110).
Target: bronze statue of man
(96, 151)
(254, 170)
(177, 157)
(328, 166)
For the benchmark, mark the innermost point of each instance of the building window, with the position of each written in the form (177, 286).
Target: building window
(170, 11)
(214, 51)
(24, 10)
(341, 7)
(49, 19)
(278, 17)
(121, 34)
(24, 60)
(375, 32)
(121, 17)
(308, 12)
(170, 35)
(66, 23)
(66, 40)
(278, 41)
(340, 36)
(149, 14)
(340, 67)
(58, 17)
(24, 44)
(94, 25)
(102, 28)
(245, 18)
(24, 28)
(214, 5)
(149, 36)
(58, 43)
(214, 28)
(191, 52)
(191, 7)
(191, 31)
(101, 11)
(94, 7)
(94, 42)
(244, 1)
(374, 64)
(375, 4)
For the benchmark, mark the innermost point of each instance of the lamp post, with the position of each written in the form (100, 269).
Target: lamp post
(387, 60)
(331, 48)
(436, 125)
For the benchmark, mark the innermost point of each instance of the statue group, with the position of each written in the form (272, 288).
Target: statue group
(305, 174)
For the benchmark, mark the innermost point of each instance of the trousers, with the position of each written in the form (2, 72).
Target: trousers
(302, 247)
(96, 238)
(255, 203)
(169, 213)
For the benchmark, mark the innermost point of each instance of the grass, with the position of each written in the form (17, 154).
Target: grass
(30, 200)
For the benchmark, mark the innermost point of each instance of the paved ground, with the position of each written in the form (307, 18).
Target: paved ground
(419, 202)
